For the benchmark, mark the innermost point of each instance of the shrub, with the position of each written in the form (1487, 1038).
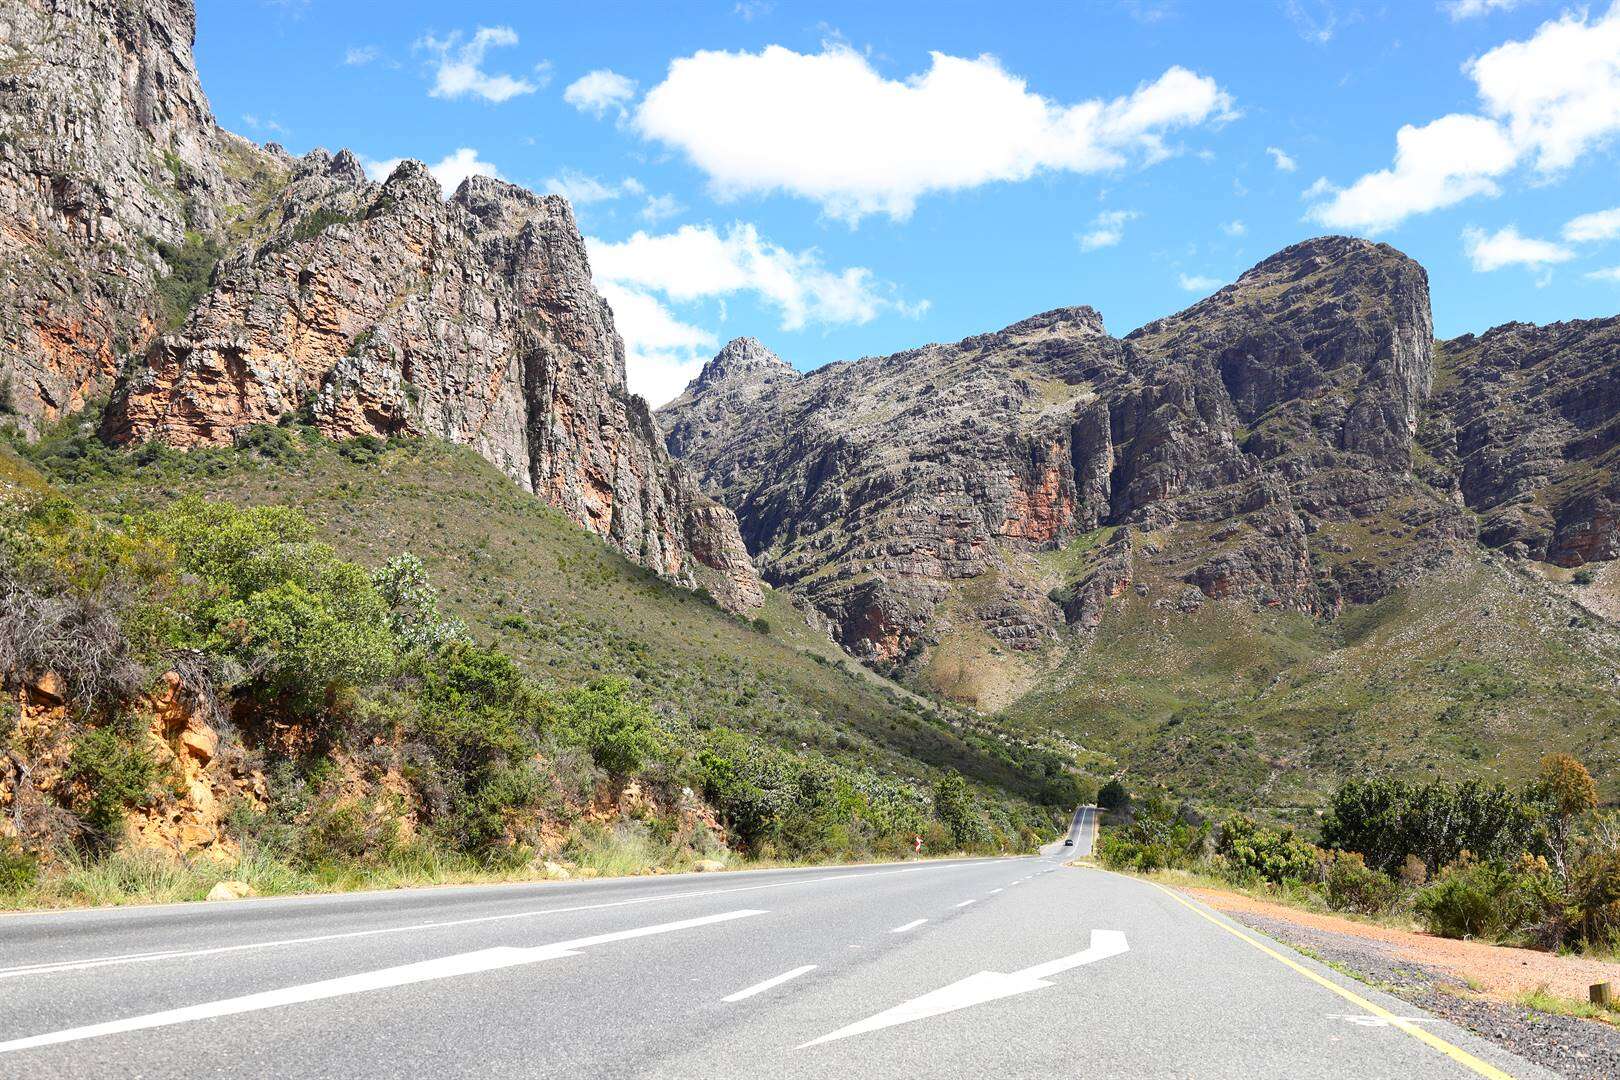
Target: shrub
(1585, 576)
(955, 806)
(1480, 899)
(191, 265)
(1351, 885)
(620, 733)
(1160, 837)
(301, 622)
(18, 869)
(109, 776)
(1252, 851)
(1113, 797)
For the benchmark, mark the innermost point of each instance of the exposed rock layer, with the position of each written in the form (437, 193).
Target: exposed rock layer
(1256, 446)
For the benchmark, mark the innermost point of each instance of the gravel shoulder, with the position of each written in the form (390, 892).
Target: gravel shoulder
(1473, 985)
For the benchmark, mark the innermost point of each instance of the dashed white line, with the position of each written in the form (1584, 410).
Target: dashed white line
(994, 891)
(912, 925)
(965, 903)
(775, 981)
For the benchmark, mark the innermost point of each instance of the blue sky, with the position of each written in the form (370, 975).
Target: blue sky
(844, 179)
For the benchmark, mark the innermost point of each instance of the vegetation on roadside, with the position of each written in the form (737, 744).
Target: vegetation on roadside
(1536, 866)
(408, 733)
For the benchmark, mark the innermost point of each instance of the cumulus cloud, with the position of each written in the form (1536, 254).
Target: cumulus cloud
(659, 207)
(1198, 282)
(598, 91)
(1107, 229)
(643, 275)
(582, 189)
(830, 128)
(450, 170)
(1506, 247)
(459, 65)
(1602, 225)
(1281, 159)
(1544, 103)
(1468, 9)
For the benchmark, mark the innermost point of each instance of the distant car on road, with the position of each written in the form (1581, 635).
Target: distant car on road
(1069, 842)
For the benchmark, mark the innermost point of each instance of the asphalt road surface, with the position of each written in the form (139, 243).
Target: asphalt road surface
(1082, 831)
(975, 968)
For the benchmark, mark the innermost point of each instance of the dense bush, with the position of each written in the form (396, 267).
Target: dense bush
(1490, 899)
(18, 869)
(109, 775)
(1253, 852)
(1159, 837)
(1351, 885)
(1387, 819)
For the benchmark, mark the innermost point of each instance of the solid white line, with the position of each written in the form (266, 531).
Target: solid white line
(761, 987)
(965, 903)
(425, 971)
(912, 925)
(131, 958)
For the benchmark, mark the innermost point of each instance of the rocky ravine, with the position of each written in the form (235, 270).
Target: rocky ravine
(367, 308)
(1261, 445)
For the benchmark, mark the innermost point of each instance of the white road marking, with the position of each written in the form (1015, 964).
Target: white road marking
(912, 925)
(1379, 1021)
(425, 971)
(982, 987)
(61, 966)
(994, 891)
(761, 987)
(965, 903)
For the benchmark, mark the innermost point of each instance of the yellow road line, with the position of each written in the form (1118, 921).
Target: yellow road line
(1452, 1051)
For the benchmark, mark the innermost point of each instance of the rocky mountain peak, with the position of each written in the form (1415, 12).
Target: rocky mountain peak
(741, 357)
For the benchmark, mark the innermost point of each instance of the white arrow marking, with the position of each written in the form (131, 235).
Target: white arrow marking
(425, 971)
(985, 986)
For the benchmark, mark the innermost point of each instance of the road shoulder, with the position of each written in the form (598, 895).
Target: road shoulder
(1470, 984)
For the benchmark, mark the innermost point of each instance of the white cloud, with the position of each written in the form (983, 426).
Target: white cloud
(1546, 101)
(1468, 9)
(1281, 158)
(1234, 228)
(1437, 165)
(460, 72)
(1107, 229)
(360, 55)
(1602, 225)
(598, 91)
(582, 189)
(1198, 282)
(450, 171)
(1608, 273)
(642, 275)
(255, 123)
(659, 207)
(830, 128)
(1505, 247)
(749, 10)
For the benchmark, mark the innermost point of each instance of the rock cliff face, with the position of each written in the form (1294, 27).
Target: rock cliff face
(382, 309)
(233, 285)
(108, 156)
(1256, 446)
(1524, 428)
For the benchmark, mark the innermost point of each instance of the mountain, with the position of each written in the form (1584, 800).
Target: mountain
(211, 285)
(908, 498)
(1234, 551)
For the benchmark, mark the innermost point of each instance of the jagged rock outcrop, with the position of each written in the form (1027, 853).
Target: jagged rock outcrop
(1256, 446)
(383, 309)
(871, 487)
(109, 155)
(233, 285)
(1524, 428)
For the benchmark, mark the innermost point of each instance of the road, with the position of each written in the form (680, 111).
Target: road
(1082, 831)
(980, 968)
